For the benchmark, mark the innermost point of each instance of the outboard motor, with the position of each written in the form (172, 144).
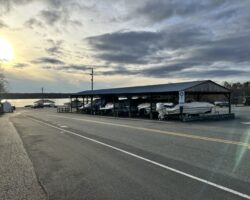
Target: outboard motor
(159, 106)
(160, 110)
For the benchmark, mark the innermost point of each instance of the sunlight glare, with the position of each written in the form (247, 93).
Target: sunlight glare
(6, 50)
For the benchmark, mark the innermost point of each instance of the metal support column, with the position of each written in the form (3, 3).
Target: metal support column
(229, 104)
(181, 112)
(83, 102)
(76, 102)
(70, 104)
(129, 108)
(114, 107)
(91, 101)
(151, 107)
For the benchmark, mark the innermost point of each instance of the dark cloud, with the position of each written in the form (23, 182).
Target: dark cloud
(215, 73)
(33, 23)
(74, 67)
(21, 65)
(141, 47)
(3, 24)
(54, 50)
(173, 50)
(235, 50)
(68, 67)
(7, 5)
(166, 70)
(152, 71)
(124, 47)
(47, 60)
(225, 14)
(56, 47)
(176, 71)
(159, 10)
(51, 16)
(76, 22)
(119, 71)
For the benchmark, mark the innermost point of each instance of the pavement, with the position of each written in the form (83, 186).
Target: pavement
(79, 156)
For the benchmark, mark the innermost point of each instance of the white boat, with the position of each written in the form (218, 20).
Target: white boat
(192, 108)
(86, 106)
(108, 106)
(143, 106)
(221, 103)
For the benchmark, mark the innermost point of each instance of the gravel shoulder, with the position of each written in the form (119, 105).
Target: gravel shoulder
(18, 179)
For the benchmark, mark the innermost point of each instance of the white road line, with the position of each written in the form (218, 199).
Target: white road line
(150, 161)
(63, 126)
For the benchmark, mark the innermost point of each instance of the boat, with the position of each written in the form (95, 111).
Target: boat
(143, 109)
(221, 103)
(108, 106)
(192, 108)
(87, 107)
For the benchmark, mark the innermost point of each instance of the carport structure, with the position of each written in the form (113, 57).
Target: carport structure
(171, 92)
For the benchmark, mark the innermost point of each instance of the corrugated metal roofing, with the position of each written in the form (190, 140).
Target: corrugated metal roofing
(170, 87)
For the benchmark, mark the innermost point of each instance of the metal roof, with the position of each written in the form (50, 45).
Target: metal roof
(162, 88)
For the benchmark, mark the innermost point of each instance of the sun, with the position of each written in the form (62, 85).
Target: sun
(6, 50)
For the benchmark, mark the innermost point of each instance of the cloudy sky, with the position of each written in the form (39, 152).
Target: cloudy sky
(127, 42)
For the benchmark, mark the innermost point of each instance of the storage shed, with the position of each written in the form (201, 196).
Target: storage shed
(7, 107)
(174, 92)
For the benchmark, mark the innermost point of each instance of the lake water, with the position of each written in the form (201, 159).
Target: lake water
(24, 102)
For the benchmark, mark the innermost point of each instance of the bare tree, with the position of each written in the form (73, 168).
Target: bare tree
(3, 83)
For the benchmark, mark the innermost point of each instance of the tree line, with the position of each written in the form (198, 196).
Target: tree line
(240, 91)
(3, 83)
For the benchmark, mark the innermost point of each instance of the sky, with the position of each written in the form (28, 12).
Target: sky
(127, 42)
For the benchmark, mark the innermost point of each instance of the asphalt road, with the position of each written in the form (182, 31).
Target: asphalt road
(89, 157)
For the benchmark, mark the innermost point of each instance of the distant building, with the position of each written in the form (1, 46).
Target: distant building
(6, 107)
